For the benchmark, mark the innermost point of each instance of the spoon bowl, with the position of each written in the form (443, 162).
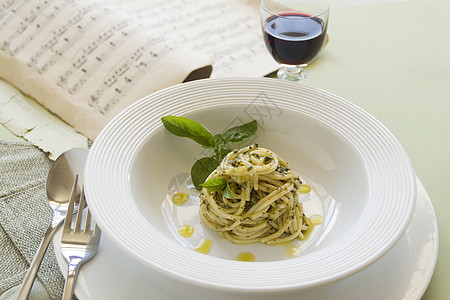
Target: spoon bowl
(60, 180)
(61, 177)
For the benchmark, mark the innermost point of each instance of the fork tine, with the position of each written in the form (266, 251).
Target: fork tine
(80, 211)
(88, 221)
(96, 229)
(73, 194)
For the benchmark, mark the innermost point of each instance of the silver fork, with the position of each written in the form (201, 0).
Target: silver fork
(78, 244)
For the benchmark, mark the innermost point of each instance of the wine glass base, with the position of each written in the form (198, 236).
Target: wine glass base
(292, 73)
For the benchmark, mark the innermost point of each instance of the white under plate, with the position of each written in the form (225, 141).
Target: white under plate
(410, 264)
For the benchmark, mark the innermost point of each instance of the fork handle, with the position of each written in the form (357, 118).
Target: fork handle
(34, 266)
(72, 274)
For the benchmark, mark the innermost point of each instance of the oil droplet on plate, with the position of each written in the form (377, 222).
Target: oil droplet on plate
(204, 246)
(180, 198)
(246, 256)
(304, 189)
(292, 251)
(186, 231)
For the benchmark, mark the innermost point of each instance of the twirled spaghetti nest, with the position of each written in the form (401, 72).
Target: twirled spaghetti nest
(264, 207)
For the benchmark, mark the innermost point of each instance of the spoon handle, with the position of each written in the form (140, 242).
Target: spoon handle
(34, 266)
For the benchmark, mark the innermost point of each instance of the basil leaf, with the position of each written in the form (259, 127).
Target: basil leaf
(201, 170)
(215, 184)
(221, 152)
(218, 139)
(240, 133)
(185, 127)
(228, 193)
(218, 184)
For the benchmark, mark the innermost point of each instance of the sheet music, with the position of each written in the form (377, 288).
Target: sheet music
(84, 60)
(229, 31)
(87, 60)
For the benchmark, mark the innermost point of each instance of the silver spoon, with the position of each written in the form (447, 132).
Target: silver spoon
(59, 185)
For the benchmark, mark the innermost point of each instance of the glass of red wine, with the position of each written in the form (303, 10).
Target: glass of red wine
(294, 32)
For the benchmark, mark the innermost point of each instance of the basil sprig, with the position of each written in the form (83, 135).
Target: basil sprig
(184, 127)
(218, 184)
(215, 184)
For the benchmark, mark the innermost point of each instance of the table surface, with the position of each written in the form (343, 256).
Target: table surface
(392, 59)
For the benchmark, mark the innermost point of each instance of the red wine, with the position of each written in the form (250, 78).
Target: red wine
(294, 38)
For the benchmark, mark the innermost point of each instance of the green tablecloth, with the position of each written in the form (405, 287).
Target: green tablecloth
(393, 60)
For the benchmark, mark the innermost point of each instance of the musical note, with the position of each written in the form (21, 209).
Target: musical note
(136, 55)
(51, 42)
(75, 19)
(109, 32)
(90, 47)
(110, 80)
(79, 60)
(5, 6)
(74, 89)
(62, 79)
(60, 30)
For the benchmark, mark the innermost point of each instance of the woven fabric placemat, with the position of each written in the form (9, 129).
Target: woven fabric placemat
(24, 218)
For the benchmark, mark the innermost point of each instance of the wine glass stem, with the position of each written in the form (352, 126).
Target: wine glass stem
(292, 73)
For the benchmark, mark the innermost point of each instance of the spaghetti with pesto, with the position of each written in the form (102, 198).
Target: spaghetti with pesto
(264, 205)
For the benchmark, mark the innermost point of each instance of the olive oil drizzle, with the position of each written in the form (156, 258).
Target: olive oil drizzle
(180, 198)
(204, 246)
(304, 189)
(246, 256)
(186, 231)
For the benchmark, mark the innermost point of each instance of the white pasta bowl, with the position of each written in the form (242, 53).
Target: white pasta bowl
(362, 184)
